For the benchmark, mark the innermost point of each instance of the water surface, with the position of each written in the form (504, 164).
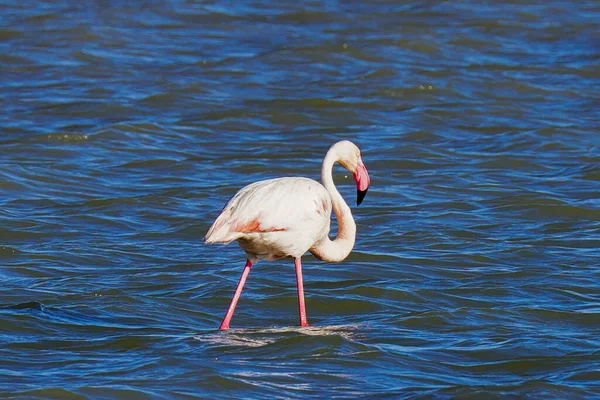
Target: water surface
(125, 128)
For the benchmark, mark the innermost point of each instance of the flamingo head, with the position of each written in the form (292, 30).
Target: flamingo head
(349, 158)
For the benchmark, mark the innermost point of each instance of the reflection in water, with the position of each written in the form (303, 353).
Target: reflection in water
(262, 337)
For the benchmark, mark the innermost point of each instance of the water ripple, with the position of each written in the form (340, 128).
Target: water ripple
(125, 130)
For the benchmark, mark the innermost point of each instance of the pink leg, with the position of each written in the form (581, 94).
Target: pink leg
(236, 296)
(300, 283)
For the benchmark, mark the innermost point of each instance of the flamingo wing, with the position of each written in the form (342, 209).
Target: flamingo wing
(273, 205)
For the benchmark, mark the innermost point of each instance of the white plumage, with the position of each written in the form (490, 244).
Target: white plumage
(275, 218)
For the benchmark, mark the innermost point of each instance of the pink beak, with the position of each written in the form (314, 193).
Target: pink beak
(361, 176)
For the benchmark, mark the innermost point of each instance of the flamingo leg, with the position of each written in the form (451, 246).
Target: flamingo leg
(300, 284)
(236, 296)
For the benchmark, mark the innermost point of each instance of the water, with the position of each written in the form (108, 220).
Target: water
(125, 129)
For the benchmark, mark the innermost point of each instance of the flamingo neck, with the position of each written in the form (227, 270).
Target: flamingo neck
(338, 249)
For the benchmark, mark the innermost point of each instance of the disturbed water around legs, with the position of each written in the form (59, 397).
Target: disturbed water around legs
(125, 127)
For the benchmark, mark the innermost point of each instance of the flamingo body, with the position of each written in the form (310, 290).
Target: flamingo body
(275, 218)
(286, 217)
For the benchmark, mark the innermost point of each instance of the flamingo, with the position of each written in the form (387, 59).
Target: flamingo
(286, 217)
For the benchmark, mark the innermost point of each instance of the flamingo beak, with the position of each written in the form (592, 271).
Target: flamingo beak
(361, 176)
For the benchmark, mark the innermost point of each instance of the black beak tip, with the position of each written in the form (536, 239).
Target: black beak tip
(360, 195)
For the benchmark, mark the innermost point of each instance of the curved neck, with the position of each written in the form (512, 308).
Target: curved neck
(338, 249)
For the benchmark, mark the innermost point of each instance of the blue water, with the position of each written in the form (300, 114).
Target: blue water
(126, 127)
